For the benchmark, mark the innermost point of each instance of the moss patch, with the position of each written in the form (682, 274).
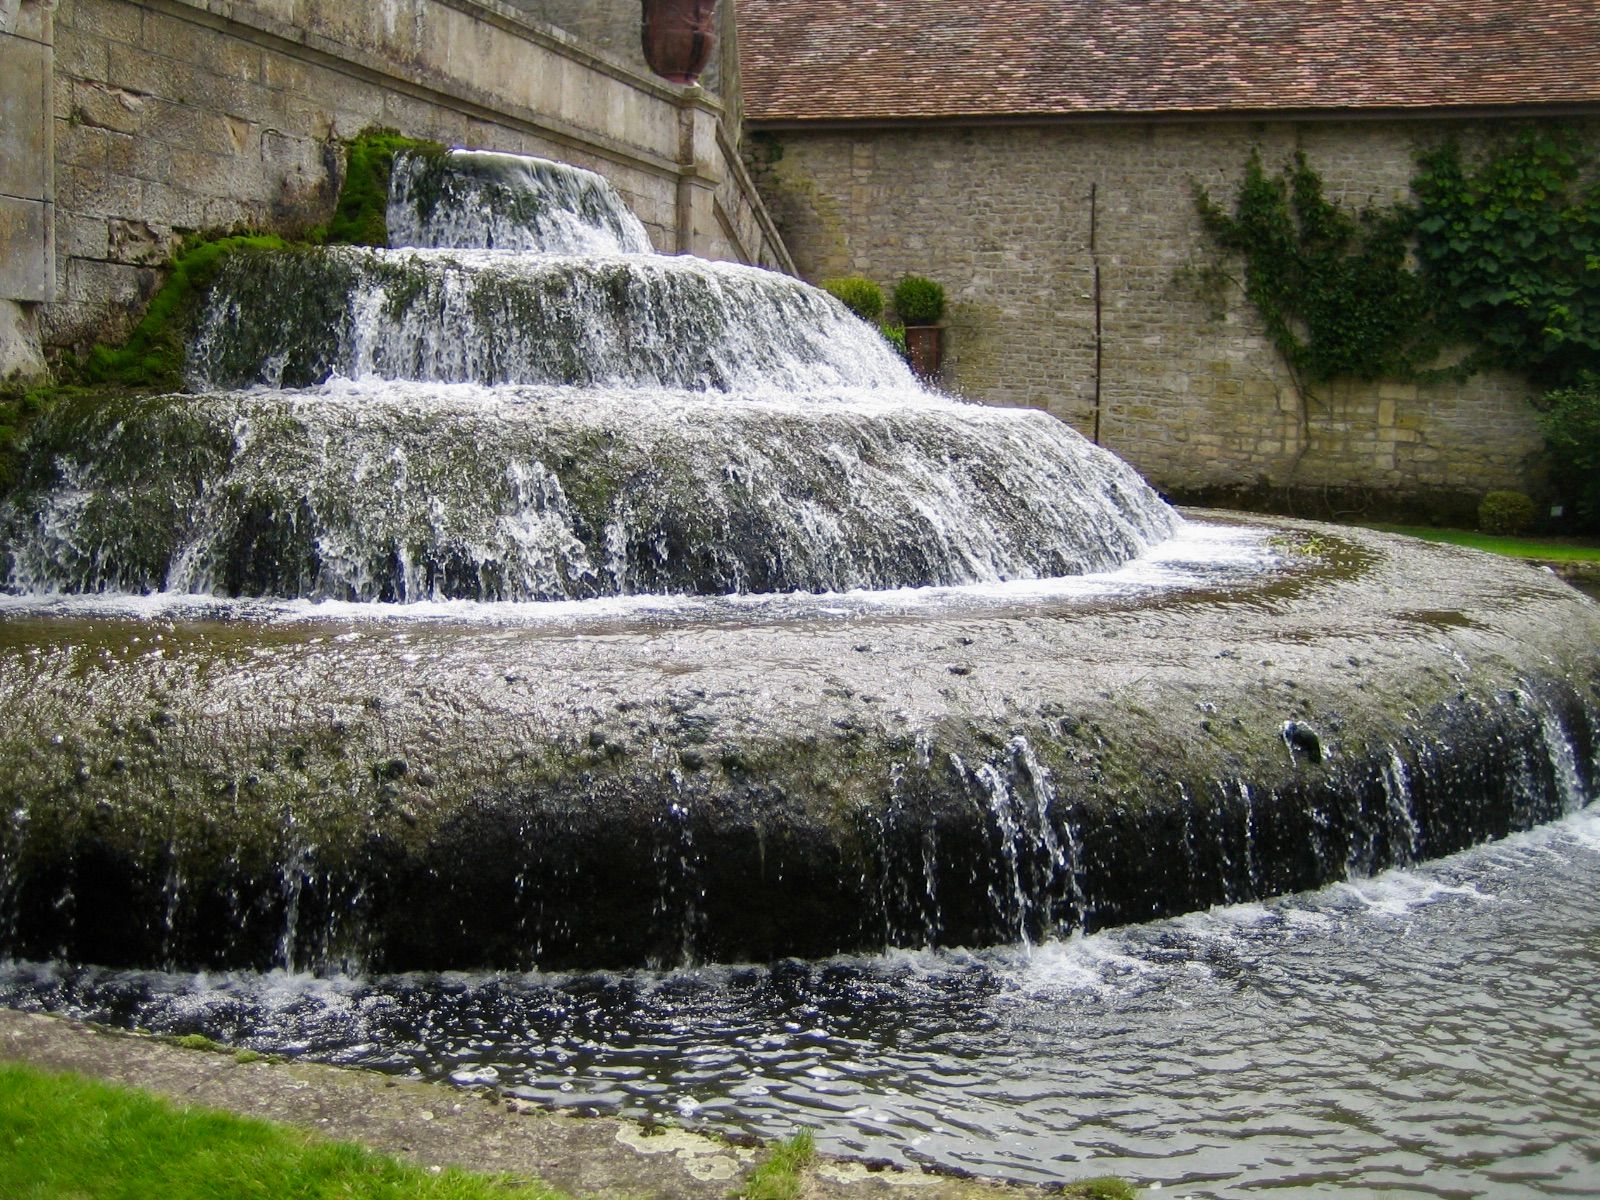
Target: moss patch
(360, 219)
(20, 407)
(152, 357)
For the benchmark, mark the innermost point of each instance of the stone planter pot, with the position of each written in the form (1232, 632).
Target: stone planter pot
(925, 348)
(678, 37)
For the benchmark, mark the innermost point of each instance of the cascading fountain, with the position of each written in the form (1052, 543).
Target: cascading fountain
(516, 596)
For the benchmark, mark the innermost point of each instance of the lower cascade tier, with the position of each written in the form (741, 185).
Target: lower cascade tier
(402, 794)
(1085, 1056)
(404, 492)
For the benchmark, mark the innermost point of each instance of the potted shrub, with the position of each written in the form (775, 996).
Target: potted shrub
(919, 303)
(860, 295)
(865, 298)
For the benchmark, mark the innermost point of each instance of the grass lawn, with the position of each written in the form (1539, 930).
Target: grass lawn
(1574, 550)
(66, 1138)
(63, 1137)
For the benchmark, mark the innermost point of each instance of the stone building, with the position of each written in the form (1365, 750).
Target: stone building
(1038, 159)
(131, 124)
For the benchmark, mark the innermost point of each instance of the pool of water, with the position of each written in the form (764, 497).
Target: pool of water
(1429, 1032)
(1589, 586)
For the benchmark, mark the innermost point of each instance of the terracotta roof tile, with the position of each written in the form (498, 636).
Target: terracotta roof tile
(833, 60)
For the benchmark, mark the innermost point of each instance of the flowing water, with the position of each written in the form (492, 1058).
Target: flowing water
(1427, 1032)
(508, 202)
(515, 403)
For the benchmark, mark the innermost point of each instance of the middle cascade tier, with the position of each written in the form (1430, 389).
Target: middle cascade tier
(385, 491)
(297, 318)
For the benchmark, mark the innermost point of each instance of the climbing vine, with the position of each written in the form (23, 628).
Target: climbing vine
(1511, 246)
(1334, 290)
(1497, 255)
(1570, 417)
(1506, 252)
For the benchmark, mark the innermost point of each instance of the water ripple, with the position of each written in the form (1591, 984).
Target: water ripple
(1423, 1033)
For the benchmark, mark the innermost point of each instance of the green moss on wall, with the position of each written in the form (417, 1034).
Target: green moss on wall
(152, 357)
(360, 218)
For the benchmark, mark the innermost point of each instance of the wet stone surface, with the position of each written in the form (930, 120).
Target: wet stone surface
(436, 1125)
(438, 793)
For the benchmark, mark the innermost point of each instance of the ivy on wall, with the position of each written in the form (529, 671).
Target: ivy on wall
(1334, 290)
(1499, 254)
(1511, 249)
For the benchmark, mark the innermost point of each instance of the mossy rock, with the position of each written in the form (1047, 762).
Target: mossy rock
(360, 218)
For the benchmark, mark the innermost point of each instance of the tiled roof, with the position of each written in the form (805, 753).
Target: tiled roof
(844, 60)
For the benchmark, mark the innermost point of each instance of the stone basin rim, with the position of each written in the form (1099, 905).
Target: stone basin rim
(682, 792)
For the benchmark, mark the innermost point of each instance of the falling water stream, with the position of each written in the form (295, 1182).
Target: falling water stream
(548, 419)
(1427, 1032)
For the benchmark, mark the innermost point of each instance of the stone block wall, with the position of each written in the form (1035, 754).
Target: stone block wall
(614, 28)
(27, 183)
(1021, 223)
(174, 116)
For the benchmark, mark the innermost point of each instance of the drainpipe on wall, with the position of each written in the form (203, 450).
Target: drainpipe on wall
(1099, 328)
(27, 181)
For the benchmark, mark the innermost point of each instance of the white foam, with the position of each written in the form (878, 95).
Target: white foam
(1399, 893)
(1197, 550)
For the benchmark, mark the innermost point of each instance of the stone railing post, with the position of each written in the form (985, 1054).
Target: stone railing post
(699, 171)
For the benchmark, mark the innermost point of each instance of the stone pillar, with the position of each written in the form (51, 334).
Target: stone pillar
(699, 172)
(27, 181)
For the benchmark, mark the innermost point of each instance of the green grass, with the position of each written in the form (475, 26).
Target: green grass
(782, 1175)
(65, 1138)
(1565, 550)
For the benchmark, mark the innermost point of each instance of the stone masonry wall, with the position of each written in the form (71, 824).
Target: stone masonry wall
(1014, 221)
(614, 28)
(27, 184)
(173, 116)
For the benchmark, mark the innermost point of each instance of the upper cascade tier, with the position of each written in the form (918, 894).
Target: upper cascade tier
(514, 420)
(298, 318)
(400, 492)
(468, 199)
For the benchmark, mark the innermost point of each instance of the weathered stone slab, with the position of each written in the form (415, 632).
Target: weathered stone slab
(27, 250)
(20, 354)
(27, 19)
(25, 167)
